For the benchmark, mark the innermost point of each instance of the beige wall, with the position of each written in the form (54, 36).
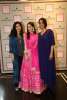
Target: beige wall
(54, 12)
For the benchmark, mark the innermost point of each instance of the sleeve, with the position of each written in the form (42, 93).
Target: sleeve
(25, 41)
(52, 39)
(10, 45)
(35, 42)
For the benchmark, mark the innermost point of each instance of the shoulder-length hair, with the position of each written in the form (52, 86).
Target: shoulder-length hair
(44, 22)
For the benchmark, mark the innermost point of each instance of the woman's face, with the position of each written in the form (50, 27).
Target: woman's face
(30, 28)
(18, 27)
(41, 24)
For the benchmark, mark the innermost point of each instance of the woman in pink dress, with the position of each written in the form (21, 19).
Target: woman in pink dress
(30, 80)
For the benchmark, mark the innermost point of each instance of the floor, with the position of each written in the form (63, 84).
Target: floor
(7, 91)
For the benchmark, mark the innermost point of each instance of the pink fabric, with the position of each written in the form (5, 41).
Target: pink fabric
(30, 73)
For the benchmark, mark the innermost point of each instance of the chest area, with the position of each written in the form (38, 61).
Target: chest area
(44, 38)
(32, 40)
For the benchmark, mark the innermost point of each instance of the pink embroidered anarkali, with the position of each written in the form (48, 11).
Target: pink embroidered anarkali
(30, 80)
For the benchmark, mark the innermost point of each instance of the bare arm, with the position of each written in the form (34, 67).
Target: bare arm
(51, 52)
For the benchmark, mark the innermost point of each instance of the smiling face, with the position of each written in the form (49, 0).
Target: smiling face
(41, 24)
(30, 28)
(18, 28)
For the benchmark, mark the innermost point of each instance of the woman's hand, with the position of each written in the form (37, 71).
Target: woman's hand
(27, 53)
(51, 56)
(11, 56)
(51, 53)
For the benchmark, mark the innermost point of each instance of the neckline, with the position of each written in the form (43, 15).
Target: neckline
(44, 32)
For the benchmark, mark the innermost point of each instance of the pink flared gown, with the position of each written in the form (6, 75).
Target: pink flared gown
(30, 80)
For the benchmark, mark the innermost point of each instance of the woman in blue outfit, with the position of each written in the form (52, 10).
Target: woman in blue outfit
(46, 44)
(16, 44)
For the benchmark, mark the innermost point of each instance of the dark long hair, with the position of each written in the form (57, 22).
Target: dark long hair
(44, 21)
(13, 32)
(28, 33)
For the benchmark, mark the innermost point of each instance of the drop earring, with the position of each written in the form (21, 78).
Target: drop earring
(33, 29)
